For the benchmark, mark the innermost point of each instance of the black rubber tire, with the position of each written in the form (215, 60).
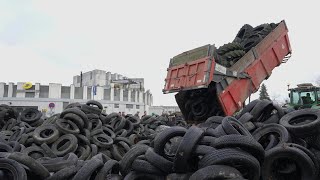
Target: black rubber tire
(244, 32)
(216, 172)
(145, 167)
(186, 147)
(67, 127)
(249, 107)
(142, 176)
(310, 119)
(108, 132)
(245, 143)
(201, 150)
(102, 140)
(262, 133)
(76, 119)
(87, 169)
(222, 50)
(5, 148)
(13, 170)
(158, 161)
(32, 164)
(65, 173)
(48, 150)
(246, 117)
(56, 164)
(250, 165)
(162, 138)
(261, 108)
(73, 105)
(90, 109)
(70, 148)
(130, 156)
(30, 115)
(300, 158)
(119, 150)
(34, 151)
(95, 103)
(77, 112)
(110, 167)
(231, 125)
(83, 152)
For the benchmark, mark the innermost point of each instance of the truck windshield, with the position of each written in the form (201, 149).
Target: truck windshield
(304, 97)
(308, 97)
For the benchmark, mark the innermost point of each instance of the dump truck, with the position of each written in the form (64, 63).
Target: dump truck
(207, 86)
(305, 95)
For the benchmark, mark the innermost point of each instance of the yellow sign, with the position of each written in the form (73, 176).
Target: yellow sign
(27, 85)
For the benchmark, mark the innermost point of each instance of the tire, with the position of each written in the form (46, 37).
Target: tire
(158, 161)
(30, 115)
(35, 152)
(231, 125)
(276, 155)
(249, 107)
(146, 167)
(56, 164)
(302, 123)
(67, 127)
(87, 169)
(244, 32)
(162, 138)
(245, 143)
(246, 117)
(65, 173)
(186, 147)
(78, 112)
(251, 41)
(75, 119)
(119, 150)
(279, 131)
(216, 172)
(90, 109)
(94, 103)
(222, 50)
(5, 148)
(261, 109)
(129, 157)
(32, 164)
(102, 140)
(138, 176)
(71, 147)
(83, 152)
(12, 170)
(110, 167)
(249, 165)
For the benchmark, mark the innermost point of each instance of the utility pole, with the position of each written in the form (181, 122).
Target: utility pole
(80, 78)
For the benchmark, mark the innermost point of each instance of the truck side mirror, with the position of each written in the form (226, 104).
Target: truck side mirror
(289, 94)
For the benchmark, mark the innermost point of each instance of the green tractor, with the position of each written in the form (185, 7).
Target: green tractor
(303, 96)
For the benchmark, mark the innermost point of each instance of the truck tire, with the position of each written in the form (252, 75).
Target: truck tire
(13, 169)
(244, 32)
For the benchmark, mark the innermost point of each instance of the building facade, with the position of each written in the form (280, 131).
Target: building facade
(53, 98)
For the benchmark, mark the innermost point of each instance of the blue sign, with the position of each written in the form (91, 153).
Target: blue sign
(94, 90)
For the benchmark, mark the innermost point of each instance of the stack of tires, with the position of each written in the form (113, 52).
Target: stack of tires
(247, 37)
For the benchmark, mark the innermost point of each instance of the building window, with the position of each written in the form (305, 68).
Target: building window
(116, 105)
(137, 106)
(129, 106)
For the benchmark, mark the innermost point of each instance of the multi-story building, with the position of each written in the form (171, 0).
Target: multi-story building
(115, 92)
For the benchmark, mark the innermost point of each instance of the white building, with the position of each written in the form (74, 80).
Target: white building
(114, 96)
(163, 109)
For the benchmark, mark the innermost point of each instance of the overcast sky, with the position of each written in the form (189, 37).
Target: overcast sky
(51, 41)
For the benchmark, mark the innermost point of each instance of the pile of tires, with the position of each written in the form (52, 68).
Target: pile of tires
(263, 141)
(58, 147)
(247, 37)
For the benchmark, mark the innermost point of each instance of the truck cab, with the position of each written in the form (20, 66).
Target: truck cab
(305, 95)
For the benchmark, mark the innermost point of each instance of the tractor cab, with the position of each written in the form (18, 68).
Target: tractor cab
(304, 96)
